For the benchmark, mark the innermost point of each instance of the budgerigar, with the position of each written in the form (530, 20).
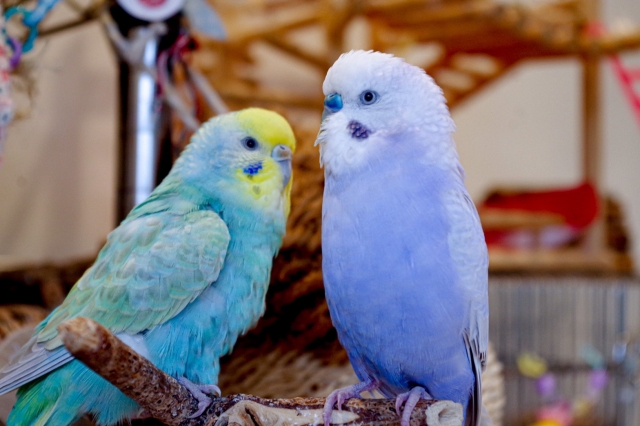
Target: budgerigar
(404, 257)
(181, 277)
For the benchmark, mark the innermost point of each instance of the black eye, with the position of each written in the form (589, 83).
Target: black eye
(250, 143)
(368, 97)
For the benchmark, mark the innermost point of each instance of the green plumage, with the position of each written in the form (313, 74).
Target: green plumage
(179, 279)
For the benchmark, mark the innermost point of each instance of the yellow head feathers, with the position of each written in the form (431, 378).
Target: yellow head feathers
(244, 157)
(268, 126)
(265, 169)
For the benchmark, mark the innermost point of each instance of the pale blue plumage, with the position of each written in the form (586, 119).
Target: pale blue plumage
(404, 258)
(178, 280)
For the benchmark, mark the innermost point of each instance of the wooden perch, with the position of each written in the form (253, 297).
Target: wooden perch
(166, 399)
(158, 393)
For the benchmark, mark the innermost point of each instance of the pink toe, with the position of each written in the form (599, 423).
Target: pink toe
(399, 403)
(202, 405)
(328, 408)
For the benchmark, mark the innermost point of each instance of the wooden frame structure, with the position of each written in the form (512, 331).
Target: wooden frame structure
(463, 44)
(476, 40)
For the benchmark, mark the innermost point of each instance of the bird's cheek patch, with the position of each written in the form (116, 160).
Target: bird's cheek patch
(253, 169)
(358, 130)
(260, 177)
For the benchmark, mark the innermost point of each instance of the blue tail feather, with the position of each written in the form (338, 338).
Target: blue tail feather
(50, 401)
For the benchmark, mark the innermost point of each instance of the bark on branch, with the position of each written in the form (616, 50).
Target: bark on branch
(170, 402)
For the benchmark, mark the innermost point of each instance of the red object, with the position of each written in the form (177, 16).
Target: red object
(628, 79)
(152, 3)
(577, 208)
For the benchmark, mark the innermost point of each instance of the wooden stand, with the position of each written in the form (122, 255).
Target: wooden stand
(165, 399)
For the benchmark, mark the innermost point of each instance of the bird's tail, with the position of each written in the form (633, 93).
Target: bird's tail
(37, 405)
(64, 395)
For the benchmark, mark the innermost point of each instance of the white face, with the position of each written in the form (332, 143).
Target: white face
(370, 98)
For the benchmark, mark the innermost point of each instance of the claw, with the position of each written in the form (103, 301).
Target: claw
(409, 400)
(199, 392)
(209, 389)
(339, 396)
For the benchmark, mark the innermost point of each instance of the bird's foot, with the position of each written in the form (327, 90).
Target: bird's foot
(199, 392)
(339, 396)
(409, 400)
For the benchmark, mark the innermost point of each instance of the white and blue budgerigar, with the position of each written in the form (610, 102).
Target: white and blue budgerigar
(404, 256)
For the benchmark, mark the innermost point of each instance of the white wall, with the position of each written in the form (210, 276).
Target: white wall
(57, 180)
(526, 129)
(57, 183)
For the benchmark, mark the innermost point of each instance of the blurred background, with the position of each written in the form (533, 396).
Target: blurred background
(546, 100)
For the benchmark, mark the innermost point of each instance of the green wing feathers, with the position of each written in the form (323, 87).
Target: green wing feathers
(149, 270)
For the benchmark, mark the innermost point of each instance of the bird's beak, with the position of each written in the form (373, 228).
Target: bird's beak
(332, 103)
(282, 154)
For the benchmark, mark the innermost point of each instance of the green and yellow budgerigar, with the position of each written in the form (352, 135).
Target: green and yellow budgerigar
(179, 280)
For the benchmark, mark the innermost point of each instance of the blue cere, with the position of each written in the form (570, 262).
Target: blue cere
(333, 102)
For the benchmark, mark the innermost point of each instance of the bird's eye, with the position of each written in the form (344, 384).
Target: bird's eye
(368, 97)
(250, 143)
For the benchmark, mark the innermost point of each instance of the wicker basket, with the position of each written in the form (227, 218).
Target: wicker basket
(15, 317)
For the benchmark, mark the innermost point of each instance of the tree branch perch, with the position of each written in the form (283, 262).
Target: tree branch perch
(166, 399)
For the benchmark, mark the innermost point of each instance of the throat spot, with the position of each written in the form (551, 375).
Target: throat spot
(358, 130)
(253, 169)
